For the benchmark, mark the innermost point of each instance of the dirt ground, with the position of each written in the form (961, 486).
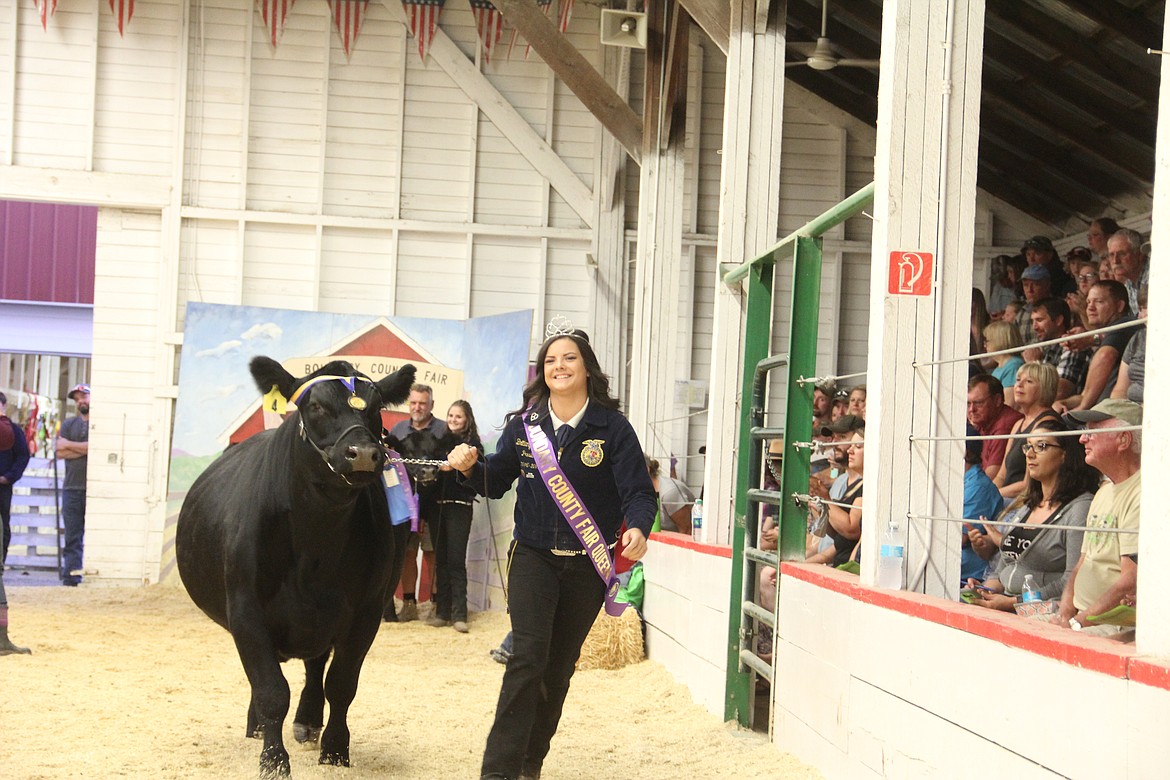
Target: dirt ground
(138, 683)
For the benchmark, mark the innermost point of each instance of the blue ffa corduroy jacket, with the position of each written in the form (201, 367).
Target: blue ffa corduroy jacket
(13, 461)
(616, 487)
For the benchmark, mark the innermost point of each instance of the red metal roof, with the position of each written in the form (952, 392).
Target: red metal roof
(47, 252)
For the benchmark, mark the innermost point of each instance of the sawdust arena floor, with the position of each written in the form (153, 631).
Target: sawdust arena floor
(138, 683)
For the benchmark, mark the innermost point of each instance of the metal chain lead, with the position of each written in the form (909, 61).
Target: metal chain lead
(417, 461)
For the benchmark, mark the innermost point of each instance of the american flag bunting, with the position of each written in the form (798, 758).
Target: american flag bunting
(565, 15)
(45, 9)
(424, 19)
(545, 5)
(347, 18)
(275, 14)
(489, 22)
(123, 11)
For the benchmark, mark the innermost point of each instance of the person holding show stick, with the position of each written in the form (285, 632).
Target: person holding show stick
(581, 471)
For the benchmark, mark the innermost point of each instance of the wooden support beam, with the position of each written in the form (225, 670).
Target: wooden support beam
(570, 65)
(506, 118)
(673, 107)
(714, 16)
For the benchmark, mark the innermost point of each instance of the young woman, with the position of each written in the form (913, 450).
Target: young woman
(454, 525)
(554, 589)
(1034, 392)
(1059, 492)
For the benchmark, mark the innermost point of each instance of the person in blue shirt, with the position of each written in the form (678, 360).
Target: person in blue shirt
(554, 592)
(981, 500)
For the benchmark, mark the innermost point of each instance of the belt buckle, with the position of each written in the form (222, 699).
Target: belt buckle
(565, 553)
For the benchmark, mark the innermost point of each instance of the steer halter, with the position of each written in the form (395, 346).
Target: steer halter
(325, 456)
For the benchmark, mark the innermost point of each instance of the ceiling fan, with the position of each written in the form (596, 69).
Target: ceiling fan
(821, 55)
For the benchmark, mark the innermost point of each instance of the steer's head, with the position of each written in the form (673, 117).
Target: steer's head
(339, 412)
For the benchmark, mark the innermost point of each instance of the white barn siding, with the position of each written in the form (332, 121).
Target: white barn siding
(125, 432)
(210, 268)
(507, 274)
(355, 270)
(430, 276)
(136, 106)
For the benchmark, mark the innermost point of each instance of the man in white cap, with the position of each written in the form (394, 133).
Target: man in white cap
(73, 446)
(1106, 573)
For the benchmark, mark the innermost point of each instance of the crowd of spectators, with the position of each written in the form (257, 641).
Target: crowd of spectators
(1085, 379)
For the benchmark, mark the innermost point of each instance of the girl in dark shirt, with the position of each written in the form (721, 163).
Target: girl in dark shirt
(454, 525)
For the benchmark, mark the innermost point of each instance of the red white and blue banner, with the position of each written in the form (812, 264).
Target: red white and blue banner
(489, 23)
(123, 11)
(274, 13)
(347, 20)
(45, 9)
(424, 20)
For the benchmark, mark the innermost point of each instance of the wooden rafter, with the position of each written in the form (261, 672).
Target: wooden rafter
(576, 72)
(1127, 23)
(674, 96)
(714, 17)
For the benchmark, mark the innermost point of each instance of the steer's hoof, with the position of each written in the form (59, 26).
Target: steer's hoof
(274, 764)
(304, 733)
(334, 759)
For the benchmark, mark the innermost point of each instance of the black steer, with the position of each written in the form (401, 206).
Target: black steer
(285, 541)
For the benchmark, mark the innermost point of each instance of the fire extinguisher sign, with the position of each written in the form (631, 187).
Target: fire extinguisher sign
(911, 273)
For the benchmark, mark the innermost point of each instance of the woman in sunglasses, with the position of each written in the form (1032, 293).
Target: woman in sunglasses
(1060, 489)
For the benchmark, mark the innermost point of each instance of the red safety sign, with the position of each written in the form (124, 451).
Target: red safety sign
(911, 273)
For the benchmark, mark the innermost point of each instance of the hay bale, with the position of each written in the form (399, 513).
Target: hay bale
(613, 642)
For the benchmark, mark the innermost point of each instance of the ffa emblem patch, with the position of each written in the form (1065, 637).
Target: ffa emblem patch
(533, 416)
(591, 454)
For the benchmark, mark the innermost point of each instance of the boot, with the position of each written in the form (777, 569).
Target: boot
(6, 646)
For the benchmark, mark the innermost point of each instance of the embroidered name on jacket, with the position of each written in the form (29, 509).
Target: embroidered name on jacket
(591, 452)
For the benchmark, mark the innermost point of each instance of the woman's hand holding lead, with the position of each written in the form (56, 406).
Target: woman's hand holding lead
(633, 545)
(463, 457)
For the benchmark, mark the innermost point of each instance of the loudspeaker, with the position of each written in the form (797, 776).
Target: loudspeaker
(623, 28)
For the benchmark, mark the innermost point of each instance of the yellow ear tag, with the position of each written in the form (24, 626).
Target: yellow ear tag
(274, 401)
(356, 402)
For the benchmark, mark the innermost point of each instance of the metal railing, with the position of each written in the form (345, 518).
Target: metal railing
(744, 615)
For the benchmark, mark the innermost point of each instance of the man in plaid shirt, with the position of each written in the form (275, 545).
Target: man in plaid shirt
(1050, 320)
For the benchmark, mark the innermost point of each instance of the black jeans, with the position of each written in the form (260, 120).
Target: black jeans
(6, 516)
(553, 601)
(73, 514)
(450, 539)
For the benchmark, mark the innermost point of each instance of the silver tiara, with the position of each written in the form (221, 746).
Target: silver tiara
(558, 326)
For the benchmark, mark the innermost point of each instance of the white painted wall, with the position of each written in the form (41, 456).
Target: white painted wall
(867, 692)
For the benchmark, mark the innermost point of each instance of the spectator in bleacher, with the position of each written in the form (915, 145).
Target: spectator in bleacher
(1060, 488)
(1130, 264)
(840, 404)
(1051, 320)
(857, 401)
(1035, 391)
(980, 319)
(1038, 251)
(1100, 230)
(833, 482)
(999, 336)
(1037, 283)
(675, 499)
(823, 394)
(1005, 283)
(1108, 304)
(1107, 570)
(989, 414)
(844, 524)
(981, 500)
(13, 461)
(1131, 377)
(1074, 257)
(1086, 277)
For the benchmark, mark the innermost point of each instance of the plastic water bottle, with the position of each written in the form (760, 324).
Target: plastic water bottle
(697, 520)
(1030, 591)
(889, 574)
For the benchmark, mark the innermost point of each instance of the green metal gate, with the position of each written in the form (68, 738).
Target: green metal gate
(745, 616)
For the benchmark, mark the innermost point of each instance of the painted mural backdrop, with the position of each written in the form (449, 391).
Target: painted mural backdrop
(482, 360)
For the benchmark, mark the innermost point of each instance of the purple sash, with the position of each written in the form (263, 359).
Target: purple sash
(564, 495)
